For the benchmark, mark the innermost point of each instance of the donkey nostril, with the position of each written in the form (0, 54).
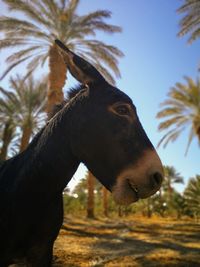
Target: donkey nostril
(157, 177)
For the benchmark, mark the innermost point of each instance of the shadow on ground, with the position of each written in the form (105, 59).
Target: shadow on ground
(134, 242)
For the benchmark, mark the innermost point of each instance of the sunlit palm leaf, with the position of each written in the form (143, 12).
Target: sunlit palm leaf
(182, 110)
(190, 23)
(11, 66)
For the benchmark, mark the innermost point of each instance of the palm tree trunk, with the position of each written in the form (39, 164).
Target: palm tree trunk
(120, 212)
(90, 202)
(6, 139)
(170, 190)
(149, 211)
(57, 77)
(105, 201)
(198, 134)
(26, 135)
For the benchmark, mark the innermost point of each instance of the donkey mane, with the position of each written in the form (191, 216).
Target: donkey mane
(73, 91)
(44, 133)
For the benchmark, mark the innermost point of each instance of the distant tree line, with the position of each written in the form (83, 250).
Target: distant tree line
(166, 202)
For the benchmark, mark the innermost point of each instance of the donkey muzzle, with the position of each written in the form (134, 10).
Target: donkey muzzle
(140, 180)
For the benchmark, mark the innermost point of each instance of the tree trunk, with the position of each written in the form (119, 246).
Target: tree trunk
(170, 190)
(149, 211)
(57, 77)
(26, 135)
(6, 139)
(198, 133)
(90, 202)
(105, 201)
(120, 212)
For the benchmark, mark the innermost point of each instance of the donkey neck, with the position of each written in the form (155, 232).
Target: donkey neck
(51, 164)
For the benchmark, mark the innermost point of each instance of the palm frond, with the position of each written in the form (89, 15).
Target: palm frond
(190, 138)
(28, 32)
(29, 8)
(47, 16)
(177, 120)
(71, 8)
(34, 62)
(191, 4)
(94, 60)
(182, 110)
(105, 73)
(10, 23)
(11, 66)
(195, 35)
(15, 42)
(171, 137)
(95, 43)
(21, 54)
(52, 8)
(106, 58)
(94, 16)
(170, 111)
(190, 23)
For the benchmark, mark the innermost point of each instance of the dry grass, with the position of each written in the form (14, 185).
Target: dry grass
(129, 242)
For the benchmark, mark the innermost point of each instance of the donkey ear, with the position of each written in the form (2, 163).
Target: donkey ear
(80, 69)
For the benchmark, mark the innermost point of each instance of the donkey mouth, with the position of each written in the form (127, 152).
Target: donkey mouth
(133, 187)
(126, 191)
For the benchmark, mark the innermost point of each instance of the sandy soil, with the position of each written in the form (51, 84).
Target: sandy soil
(127, 242)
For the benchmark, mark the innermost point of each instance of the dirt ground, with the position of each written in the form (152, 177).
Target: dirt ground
(128, 242)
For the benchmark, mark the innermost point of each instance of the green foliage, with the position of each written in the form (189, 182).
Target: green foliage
(171, 176)
(166, 202)
(81, 192)
(192, 196)
(159, 204)
(77, 200)
(178, 204)
(73, 205)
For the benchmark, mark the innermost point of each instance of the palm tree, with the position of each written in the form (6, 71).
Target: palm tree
(26, 103)
(190, 23)
(171, 177)
(90, 200)
(105, 195)
(31, 98)
(46, 21)
(167, 192)
(180, 111)
(178, 204)
(7, 127)
(192, 195)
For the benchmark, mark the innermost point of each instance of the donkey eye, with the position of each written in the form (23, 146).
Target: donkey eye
(122, 110)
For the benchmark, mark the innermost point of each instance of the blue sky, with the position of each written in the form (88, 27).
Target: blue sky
(155, 59)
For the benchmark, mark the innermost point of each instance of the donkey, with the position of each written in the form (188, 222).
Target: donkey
(98, 126)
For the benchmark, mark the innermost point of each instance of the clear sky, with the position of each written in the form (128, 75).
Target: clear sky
(155, 59)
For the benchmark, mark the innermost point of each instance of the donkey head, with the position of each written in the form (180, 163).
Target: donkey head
(109, 138)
